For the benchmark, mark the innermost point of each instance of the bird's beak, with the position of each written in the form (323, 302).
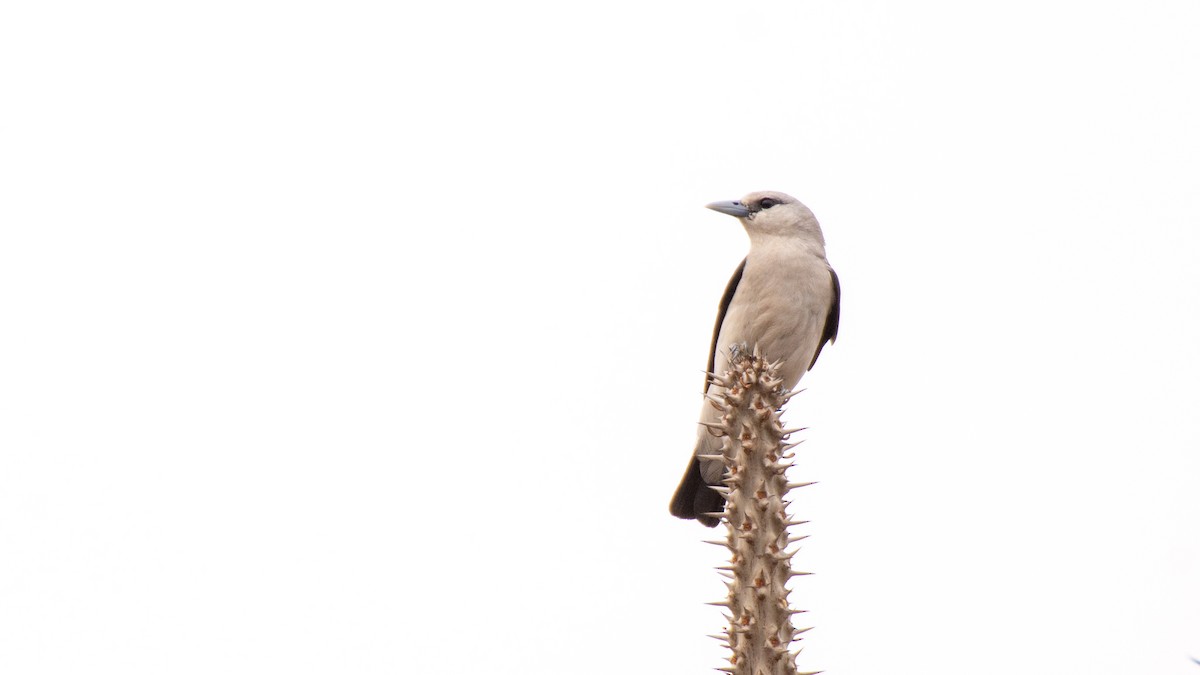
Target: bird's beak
(736, 209)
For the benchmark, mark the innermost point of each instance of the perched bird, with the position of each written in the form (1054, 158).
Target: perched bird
(784, 299)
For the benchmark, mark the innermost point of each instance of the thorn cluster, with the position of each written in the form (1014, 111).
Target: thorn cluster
(760, 633)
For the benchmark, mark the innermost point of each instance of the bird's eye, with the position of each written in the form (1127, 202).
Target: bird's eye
(767, 203)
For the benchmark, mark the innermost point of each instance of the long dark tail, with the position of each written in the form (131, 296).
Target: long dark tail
(694, 498)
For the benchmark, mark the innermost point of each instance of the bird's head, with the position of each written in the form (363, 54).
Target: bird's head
(773, 214)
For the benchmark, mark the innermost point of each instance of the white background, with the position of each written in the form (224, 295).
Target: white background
(367, 337)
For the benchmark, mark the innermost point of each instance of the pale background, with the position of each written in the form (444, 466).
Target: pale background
(367, 337)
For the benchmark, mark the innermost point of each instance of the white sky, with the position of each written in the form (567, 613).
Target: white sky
(367, 337)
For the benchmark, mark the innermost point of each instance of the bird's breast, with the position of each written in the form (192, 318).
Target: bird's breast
(780, 306)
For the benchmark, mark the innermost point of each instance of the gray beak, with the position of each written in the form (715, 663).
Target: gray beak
(736, 209)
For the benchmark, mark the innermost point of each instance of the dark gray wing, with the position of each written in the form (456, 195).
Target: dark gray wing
(730, 289)
(831, 319)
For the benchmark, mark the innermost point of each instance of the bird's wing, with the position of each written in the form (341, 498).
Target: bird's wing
(725, 300)
(831, 319)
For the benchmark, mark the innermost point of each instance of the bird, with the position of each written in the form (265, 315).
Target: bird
(783, 299)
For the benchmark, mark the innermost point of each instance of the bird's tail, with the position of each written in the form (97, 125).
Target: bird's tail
(695, 500)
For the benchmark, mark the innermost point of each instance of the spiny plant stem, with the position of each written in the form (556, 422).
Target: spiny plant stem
(760, 633)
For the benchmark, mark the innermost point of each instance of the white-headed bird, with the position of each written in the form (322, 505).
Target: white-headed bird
(783, 300)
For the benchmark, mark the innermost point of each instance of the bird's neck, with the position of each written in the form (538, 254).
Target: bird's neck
(772, 245)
